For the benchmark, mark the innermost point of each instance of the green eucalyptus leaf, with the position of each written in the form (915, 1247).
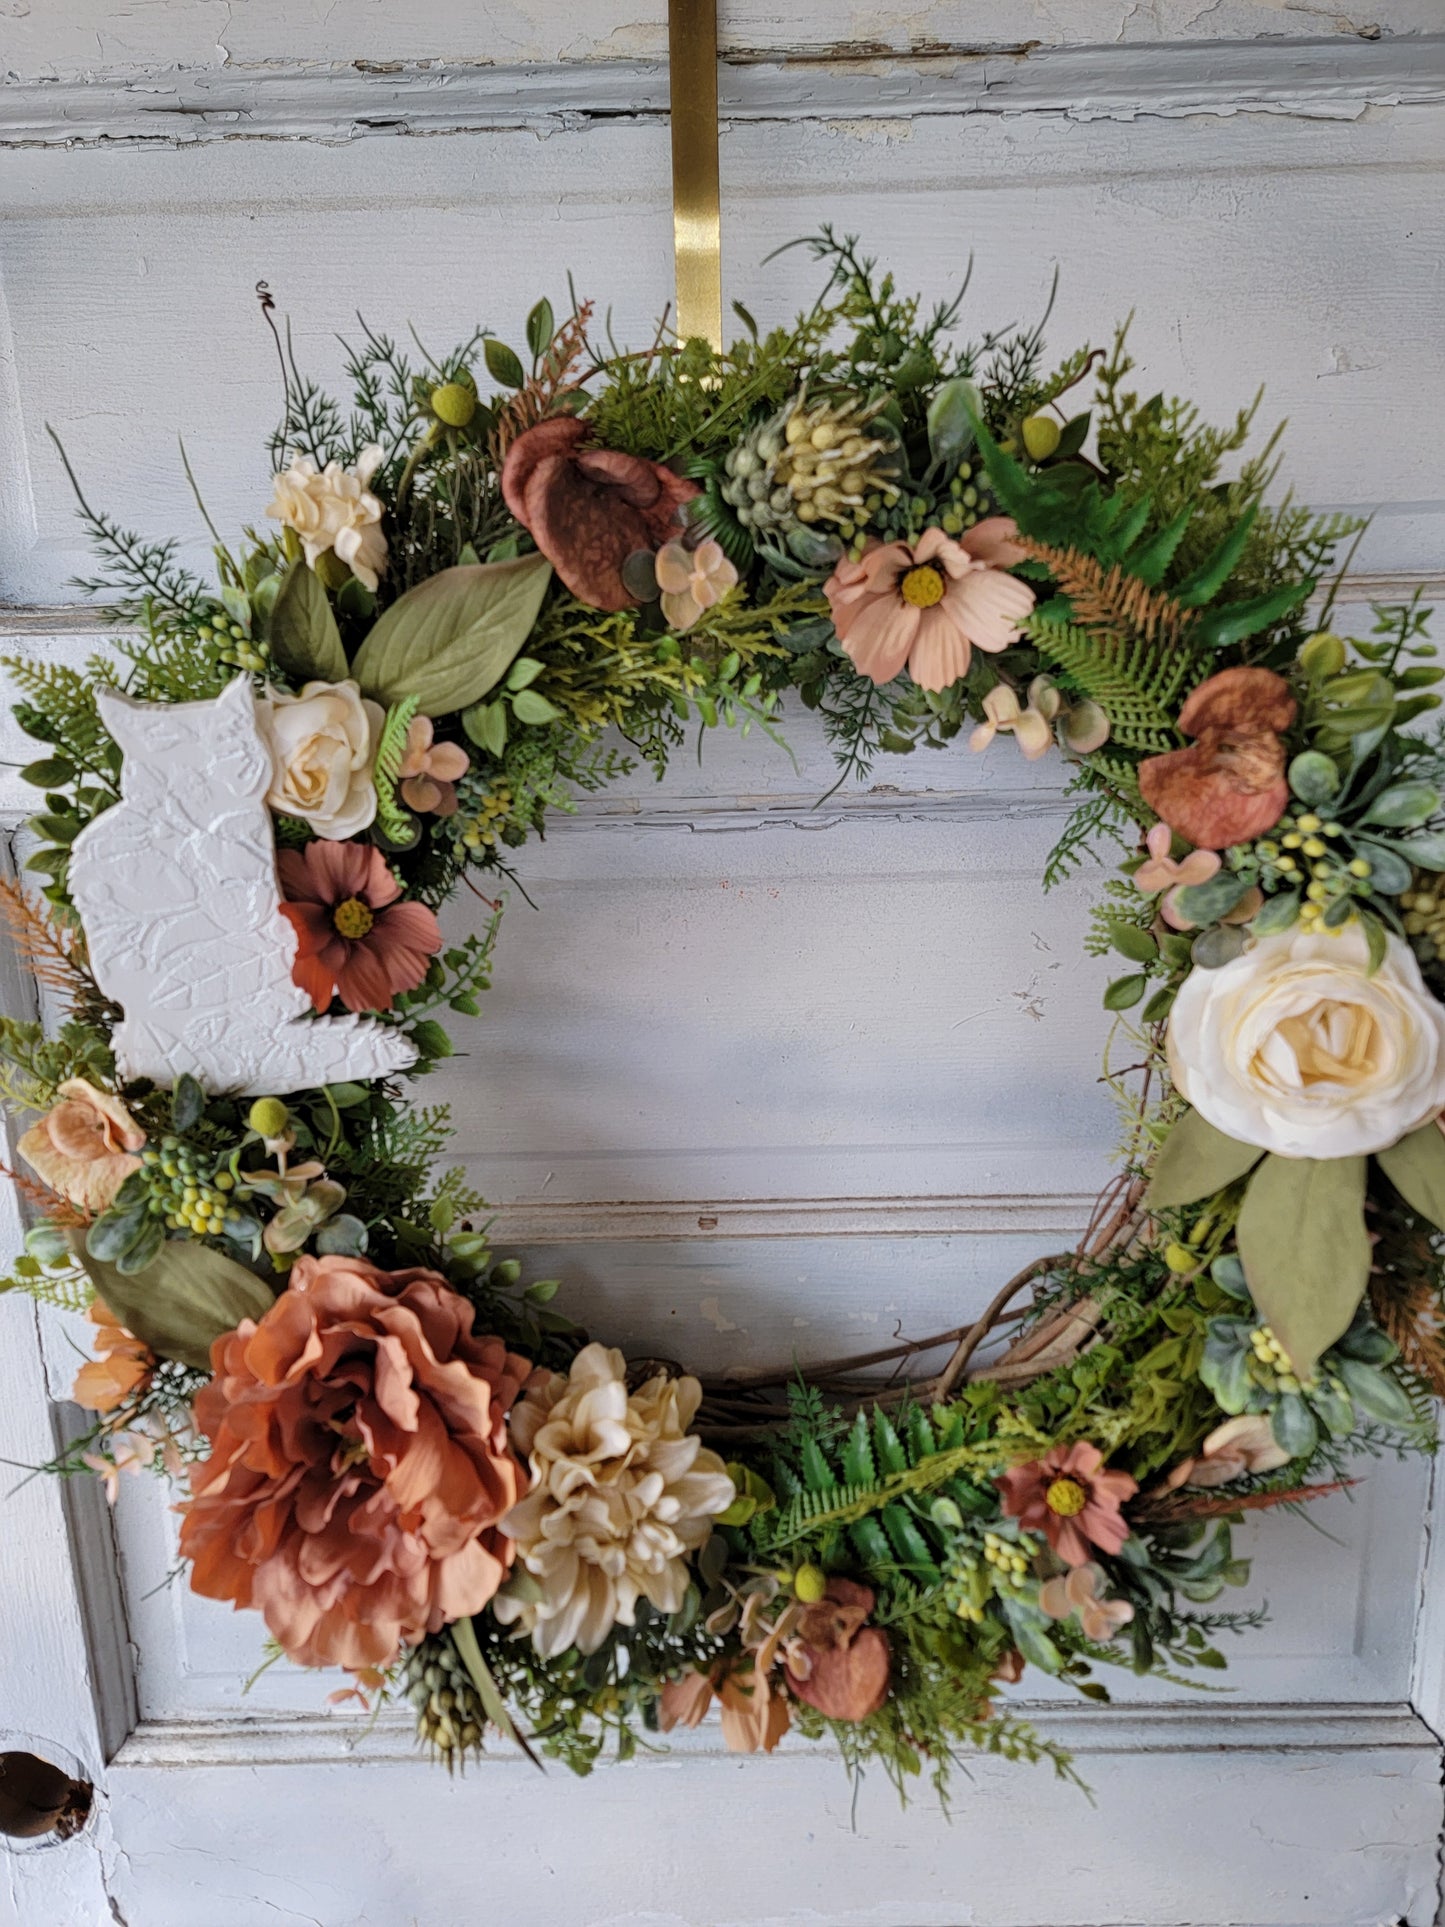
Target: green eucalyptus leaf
(1416, 1168)
(1276, 914)
(115, 1231)
(305, 640)
(1208, 902)
(1313, 776)
(1425, 852)
(1293, 1423)
(453, 637)
(1390, 874)
(1404, 806)
(188, 1295)
(1306, 1253)
(1196, 1162)
(1212, 949)
(188, 1103)
(1375, 1393)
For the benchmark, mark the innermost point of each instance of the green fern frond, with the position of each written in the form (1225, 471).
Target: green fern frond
(1140, 687)
(811, 1513)
(395, 822)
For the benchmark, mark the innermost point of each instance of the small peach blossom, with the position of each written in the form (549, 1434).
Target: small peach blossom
(1081, 1592)
(1030, 727)
(430, 770)
(85, 1146)
(691, 581)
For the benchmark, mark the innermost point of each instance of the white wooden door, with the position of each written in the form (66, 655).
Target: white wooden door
(757, 1076)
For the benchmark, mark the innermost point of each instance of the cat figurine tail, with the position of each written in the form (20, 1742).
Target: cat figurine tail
(177, 889)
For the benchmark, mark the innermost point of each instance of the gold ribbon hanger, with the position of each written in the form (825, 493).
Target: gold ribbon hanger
(696, 192)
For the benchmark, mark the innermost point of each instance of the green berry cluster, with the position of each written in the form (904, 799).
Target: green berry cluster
(1273, 1363)
(235, 645)
(965, 503)
(184, 1189)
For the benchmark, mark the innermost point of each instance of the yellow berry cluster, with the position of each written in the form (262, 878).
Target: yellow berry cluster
(482, 832)
(1301, 851)
(182, 1193)
(1273, 1357)
(1007, 1558)
(1424, 909)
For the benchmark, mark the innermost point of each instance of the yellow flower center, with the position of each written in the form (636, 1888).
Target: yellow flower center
(353, 918)
(1066, 1497)
(922, 587)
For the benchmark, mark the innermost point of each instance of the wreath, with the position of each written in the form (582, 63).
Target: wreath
(478, 581)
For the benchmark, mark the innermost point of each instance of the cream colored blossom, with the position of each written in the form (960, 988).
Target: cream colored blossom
(332, 508)
(1295, 1047)
(323, 745)
(620, 1496)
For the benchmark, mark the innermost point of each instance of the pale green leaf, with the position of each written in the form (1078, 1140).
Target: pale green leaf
(188, 1295)
(305, 640)
(453, 637)
(1196, 1162)
(1301, 1234)
(1416, 1168)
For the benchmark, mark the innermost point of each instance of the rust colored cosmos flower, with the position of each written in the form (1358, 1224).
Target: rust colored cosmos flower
(359, 1463)
(588, 509)
(1071, 1499)
(837, 1662)
(353, 937)
(1229, 785)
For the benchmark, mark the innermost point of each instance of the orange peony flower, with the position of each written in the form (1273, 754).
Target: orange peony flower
(359, 1463)
(85, 1146)
(353, 937)
(929, 604)
(1067, 1496)
(122, 1366)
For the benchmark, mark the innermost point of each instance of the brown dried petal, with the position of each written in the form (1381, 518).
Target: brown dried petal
(1246, 699)
(1226, 789)
(847, 1682)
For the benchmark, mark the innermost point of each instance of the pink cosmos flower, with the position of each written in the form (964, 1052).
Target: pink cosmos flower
(929, 604)
(1069, 1497)
(430, 769)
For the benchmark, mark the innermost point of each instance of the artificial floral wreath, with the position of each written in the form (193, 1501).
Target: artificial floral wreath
(398, 1451)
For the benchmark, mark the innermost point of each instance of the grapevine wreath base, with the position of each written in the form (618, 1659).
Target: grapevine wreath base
(471, 586)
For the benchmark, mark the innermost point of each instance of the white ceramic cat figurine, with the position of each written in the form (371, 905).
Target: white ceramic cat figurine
(176, 888)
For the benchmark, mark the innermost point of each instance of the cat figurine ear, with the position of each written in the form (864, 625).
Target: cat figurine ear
(176, 887)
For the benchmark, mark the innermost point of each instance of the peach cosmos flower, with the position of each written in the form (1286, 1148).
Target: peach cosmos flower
(359, 1465)
(353, 938)
(1081, 1592)
(430, 770)
(85, 1146)
(1229, 786)
(692, 580)
(122, 1364)
(929, 604)
(1071, 1499)
(589, 508)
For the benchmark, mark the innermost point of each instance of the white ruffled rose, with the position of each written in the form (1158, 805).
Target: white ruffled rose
(323, 745)
(1295, 1047)
(332, 508)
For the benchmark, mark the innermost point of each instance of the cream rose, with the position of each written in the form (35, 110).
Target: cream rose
(323, 743)
(1293, 1046)
(332, 508)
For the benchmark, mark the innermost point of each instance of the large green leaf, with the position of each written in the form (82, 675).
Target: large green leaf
(187, 1295)
(1197, 1161)
(1416, 1168)
(1306, 1252)
(451, 639)
(304, 637)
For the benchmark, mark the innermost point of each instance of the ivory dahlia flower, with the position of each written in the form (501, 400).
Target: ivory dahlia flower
(1294, 1046)
(929, 604)
(332, 508)
(1069, 1497)
(359, 1465)
(620, 1496)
